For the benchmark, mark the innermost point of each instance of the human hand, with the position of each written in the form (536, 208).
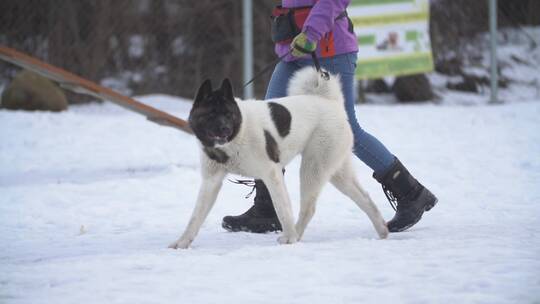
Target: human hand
(301, 45)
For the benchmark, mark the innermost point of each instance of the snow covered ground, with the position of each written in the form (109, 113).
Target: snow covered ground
(90, 199)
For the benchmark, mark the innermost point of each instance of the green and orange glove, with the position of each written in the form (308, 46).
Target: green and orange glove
(301, 45)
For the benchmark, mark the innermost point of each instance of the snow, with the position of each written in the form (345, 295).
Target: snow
(90, 199)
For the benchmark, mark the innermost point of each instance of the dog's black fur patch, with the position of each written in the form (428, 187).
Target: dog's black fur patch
(216, 154)
(215, 117)
(281, 117)
(272, 148)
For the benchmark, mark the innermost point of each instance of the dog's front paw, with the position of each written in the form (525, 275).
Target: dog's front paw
(181, 244)
(382, 230)
(285, 239)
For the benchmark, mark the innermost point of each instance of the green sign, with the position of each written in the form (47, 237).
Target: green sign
(393, 37)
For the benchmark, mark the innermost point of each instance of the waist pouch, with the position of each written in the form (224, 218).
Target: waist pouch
(288, 22)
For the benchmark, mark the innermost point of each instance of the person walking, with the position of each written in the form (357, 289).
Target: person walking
(301, 27)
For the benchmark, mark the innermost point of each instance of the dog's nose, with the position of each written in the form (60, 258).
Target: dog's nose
(225, 130)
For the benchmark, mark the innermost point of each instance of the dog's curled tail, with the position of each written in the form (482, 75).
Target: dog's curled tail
(308, 81)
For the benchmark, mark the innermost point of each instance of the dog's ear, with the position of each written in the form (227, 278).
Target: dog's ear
(226, 89)
(204, 90)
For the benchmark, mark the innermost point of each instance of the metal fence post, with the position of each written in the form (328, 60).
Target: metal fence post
(493, 45)
(247, 13)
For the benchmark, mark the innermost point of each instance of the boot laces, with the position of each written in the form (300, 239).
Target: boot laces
(392, 199)
(245, 182)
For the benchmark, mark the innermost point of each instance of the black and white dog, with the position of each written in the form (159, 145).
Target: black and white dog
(257, 139)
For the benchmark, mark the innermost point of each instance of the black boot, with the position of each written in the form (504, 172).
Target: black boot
(406, 195)
(260, 218)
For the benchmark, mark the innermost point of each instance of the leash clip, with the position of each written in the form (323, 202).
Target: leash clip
(325, 75)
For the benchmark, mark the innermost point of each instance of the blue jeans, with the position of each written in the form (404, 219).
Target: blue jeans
(366, 147)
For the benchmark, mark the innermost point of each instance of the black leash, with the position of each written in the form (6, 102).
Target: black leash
(324, 74)
(267, 68)
(316, 63)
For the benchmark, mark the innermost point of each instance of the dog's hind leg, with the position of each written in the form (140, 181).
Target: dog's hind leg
(278, 192)
(312, 180)
(208, 192)
(345, 181)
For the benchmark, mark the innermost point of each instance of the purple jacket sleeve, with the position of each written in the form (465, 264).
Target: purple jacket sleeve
(322, 17)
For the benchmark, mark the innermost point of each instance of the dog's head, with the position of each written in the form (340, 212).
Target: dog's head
(215, 117)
